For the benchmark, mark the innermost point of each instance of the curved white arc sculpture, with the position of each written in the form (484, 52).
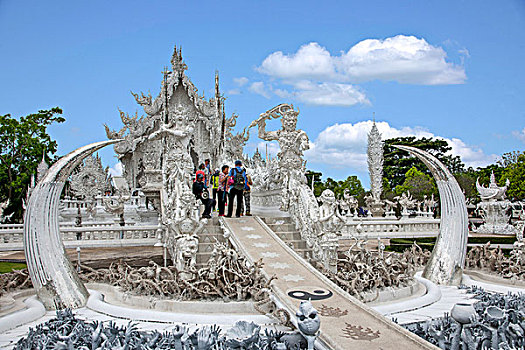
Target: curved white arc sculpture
(54, 278)
(448, 257)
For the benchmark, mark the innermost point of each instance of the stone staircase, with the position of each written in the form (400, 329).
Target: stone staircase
(212, 230)
(285, 230)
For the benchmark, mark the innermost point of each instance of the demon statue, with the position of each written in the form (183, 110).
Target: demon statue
(292, 143)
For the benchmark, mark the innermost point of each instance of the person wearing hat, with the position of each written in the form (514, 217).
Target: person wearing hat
(214, 181)
(238, 177)
(201, 192)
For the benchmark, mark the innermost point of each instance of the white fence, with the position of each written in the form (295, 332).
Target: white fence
(15, 233)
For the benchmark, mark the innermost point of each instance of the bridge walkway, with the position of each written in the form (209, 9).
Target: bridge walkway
(346, 323)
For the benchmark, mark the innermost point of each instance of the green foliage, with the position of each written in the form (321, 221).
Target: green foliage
(509, 158)
(23, 141)
(418, 184)
(467, 182)
(314, 176)
(338, 187)
(397, 162)
(515, 173)
(6, 267)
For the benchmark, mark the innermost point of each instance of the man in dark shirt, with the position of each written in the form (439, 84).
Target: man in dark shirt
(198, 189)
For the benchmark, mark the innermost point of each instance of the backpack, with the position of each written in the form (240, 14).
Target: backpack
(238, 179)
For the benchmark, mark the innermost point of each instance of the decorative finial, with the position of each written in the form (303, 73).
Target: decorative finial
(177, 63)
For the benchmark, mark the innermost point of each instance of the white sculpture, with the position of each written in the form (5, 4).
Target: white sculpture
(448, 257)
(375, 169)
(54, 278)
(494, 207)
(330, 222)
(185, 252)
(308, 322)
(407, 202)
(348, 204)
(292, 143)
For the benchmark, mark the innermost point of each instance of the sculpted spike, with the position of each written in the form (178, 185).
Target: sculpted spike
(448, 257)
(54, 278)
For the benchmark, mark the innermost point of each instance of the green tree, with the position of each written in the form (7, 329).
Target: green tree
(467, 182)
(313, 176)
(397, 162)
(515, 173)
(352, 183)
(23, 143)
(418, 184)
(509, 158)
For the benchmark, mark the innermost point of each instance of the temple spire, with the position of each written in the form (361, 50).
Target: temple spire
(375, 161)
(177, 62)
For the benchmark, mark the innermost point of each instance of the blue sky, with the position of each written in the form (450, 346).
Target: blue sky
(452, 69)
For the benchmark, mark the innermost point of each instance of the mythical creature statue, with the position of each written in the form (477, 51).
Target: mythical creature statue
(407, 202)
(493, 192)
(186, 255)
(292, 143)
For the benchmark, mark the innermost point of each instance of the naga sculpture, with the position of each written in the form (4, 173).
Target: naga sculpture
(448, 257)
(54, 278)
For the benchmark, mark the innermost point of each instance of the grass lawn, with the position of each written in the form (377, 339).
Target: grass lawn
(9, 266)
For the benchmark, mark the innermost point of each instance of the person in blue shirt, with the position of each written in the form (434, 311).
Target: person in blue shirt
(238, 183)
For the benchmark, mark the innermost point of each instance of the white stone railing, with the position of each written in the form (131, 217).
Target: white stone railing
(393, 227)
(15, 233)
(138, 201)
(266, 199)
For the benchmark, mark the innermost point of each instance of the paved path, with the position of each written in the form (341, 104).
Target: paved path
(345, 322)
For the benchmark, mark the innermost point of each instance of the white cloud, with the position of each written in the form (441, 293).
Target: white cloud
(313, 75)
(240, 81)
(233, 92)
(116, 170)
(329, 94)
(519, 134)
(260, 88)
(344, 145)
(405, 59)
(311, 61)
